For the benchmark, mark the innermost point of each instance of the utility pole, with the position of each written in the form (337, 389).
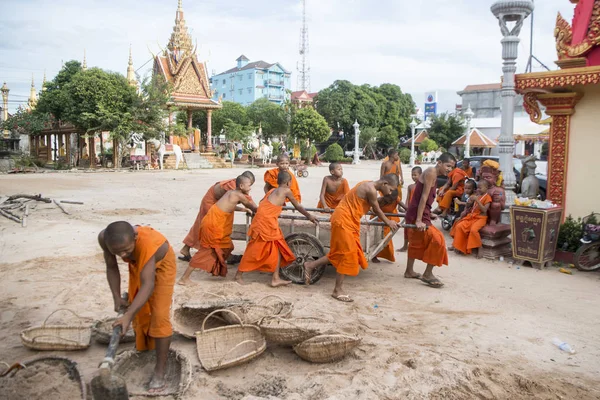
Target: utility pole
(303, 65)
(529, 67)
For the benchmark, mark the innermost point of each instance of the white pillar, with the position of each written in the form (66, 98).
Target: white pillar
(356, 143)
(413, 126)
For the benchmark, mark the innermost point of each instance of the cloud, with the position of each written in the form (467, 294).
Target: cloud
(421, 46)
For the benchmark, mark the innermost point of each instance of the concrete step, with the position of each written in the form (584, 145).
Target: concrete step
(197, 161)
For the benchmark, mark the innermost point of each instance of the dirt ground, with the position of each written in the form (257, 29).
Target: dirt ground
(487, 334)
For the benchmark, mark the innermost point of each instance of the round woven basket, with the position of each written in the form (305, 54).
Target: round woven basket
(187, 320)
(102, 331)
(218, 303)
(58, 337)
(137, 368)
(49, 363)
(228, 346)
(326, 348)
(291, 331)
(268, 306)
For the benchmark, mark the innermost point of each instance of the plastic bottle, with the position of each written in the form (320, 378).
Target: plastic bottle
(564, 346)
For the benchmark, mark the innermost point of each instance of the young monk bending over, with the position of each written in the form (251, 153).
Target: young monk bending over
(152, 270)
(334, 188)
(426, 243)
(454, 187)
(216, 191)
(393, 166)
(466, 231)
(215, 232)
(346, 253)
(267, 250)
(415, 174)
(389, 204)
(283, 164)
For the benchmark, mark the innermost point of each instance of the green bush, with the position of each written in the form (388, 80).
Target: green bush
(304, 151)
(334, 153)
(428, 145)
(569, 234)
(404, 155)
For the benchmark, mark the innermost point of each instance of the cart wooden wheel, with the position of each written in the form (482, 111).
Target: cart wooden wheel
(299, 173)
(587, 257)
(306, 247)
(305, 173)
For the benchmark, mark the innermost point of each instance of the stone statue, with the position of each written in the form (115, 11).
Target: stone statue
(490, 172)
(529, 183)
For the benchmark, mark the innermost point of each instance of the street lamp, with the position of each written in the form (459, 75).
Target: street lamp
(356, 137)
(5, 91)
(469, 116)
(507, 12)
(413, 126)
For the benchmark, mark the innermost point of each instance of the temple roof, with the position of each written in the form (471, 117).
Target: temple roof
(478, 139)
(486, 86)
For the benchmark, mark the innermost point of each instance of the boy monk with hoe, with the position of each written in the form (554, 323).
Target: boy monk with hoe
(334, 188)
(283, 165)
(389, 204)
(215, 232)
(216, 191)
(466, 231)
(152, 270)
(346, 253)
(426, 243)
(267, 250)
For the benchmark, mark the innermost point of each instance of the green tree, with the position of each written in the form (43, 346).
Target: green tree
(404, 155)
(271, 117)
(445, 129)
(307, 124)
(428, 145)
(388, 137)
(148, 109)
(54, 99)
(26, 121)
(334, 153)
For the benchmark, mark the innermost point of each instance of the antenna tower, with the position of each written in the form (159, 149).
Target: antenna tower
(303, 65)
(529, 67)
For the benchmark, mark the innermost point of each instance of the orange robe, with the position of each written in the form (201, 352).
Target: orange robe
(388, 251)
(154, 318)
(271, 178)
(466, 231)
(469, 172)
(333, 199)
(266, 241)
(410, 196)
(193, 237)
(215, 242)
(395, 169)
(456, 175)
(346, 253)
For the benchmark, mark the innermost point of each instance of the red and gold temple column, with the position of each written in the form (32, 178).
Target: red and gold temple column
(208, 130)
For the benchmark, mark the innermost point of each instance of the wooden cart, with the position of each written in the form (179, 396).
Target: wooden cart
(310, 242)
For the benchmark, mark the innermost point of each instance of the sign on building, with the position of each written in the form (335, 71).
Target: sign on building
(431, 100)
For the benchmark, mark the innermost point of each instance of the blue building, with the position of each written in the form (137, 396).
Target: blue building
(250, 81)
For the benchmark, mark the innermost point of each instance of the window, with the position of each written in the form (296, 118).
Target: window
(241, 91)
(224, 95)
(249, 90)
(224, 81)
(250, 76)
(241, 77)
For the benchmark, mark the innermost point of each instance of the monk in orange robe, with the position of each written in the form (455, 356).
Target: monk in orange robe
(345, 251)
(454, 187)
(283, 164)
(389, 205)
(152, 270)
(426, 243)
(415, 174)
(466, 231)
(267, 250)
(393, 166)
(215, 232)
(334, 188)
(216, 191)
(466, 166)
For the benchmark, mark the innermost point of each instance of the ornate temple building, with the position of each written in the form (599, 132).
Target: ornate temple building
(571, 96)
(178, 64)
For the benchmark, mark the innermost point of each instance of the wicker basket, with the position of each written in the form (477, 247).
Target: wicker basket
(228, 346)
(58, 337)
(187, 320)
(290, 332)
(102, 331)
(137, 368)
(253, 313)
(64, 364)
(326, 348)
(218, 303)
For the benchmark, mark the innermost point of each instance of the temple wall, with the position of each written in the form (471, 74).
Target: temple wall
(583, 172)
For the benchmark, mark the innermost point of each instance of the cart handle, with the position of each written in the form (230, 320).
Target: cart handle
(322, 210)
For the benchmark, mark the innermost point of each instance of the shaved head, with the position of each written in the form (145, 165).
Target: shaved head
(282, 156)
(241, 179)
(283, 178)
(119, 233)
(392, 180)
(250, 175)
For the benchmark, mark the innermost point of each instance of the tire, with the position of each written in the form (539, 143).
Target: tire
(542, 194)
(299, 174)
(306, 247)
(305, 174)
(587, 257)
(446, 224)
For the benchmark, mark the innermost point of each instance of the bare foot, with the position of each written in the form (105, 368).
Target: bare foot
(375, 260)
(187, 282)
(451, 248)
(341, 296)
(240, 280)
(402, 249)
(308, 269)
(185, 251)
(157, 385)
(412, 275)
(279, 282)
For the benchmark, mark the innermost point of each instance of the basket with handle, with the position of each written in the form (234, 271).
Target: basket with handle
(326, 348)
(291, 331)
(251, 313)
(217, 303)
(228, 346)
(102, 329)
(58, 337)
(187, 320)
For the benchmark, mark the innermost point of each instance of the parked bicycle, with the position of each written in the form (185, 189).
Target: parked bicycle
(587, 257)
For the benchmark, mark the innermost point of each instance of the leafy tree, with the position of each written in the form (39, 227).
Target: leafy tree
(55, 100)
(388, 137)
(26, 121)
(307, 124)
(148, 109)
(428, 145)
(271, 117)
(334, 153)
(404, 155)
(446, 128)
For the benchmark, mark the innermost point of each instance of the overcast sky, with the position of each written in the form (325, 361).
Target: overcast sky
(419, 45)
